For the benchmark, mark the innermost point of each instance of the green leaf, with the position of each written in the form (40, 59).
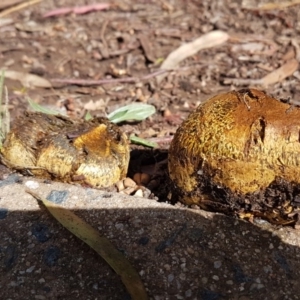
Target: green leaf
(134, 112)
(88, 116)
(137, 140)
(39, 108)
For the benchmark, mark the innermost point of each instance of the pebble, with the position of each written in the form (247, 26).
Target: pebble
(128, 190)
(139, 193)
(119, 226)
(128, 182)
(32, 184)
(95, 286)
(217, 264)
(29, 270)
(120, 185)
(204, 280)
(215, 277)
(141, 178)
(188, 293)
(170, 277)
(58, 196)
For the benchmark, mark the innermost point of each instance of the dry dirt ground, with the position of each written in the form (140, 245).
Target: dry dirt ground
(119, 47)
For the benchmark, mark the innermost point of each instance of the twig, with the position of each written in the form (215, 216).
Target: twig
(18, 7)
(240, 81)
(164, 140)
(83, 82)
(86, 82)
(102, 34)
(297, 48)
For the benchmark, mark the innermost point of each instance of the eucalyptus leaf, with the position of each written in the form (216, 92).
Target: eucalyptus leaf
(132, 112)
(137, 140)
(100, 244)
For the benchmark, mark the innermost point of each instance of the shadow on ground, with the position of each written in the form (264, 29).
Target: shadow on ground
(179, 253)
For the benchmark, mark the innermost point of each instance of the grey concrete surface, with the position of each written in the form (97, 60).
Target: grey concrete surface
(179, 253)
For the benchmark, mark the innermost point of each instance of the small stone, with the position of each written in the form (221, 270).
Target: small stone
(57, 196)
(120, 185)
(215, 277)
(229, 282)
(32, 184)
(204, 280)
(188, 293)
(217, 264)
(170, 277)
(128, 182)
(190, 251)
(128, 190)
(145, 179)
(41, 280)
(139, 193)
(95, 286)
(119, 226)
(29, 270)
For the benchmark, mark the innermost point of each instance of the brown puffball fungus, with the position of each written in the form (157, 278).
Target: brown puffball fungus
(239, 153)
(94, 152)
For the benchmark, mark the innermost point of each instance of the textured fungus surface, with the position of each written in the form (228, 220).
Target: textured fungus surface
(95, 152)
(239, 152)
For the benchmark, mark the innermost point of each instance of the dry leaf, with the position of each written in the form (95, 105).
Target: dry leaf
(272, 5)
(100, 244)
(211, 39)
(27, 80)
(79, 10)
(281, 73)
(8, 3)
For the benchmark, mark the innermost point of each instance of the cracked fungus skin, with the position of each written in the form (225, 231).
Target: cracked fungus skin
(94, 152)
(233, 146)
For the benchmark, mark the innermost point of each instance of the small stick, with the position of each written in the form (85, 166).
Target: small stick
(18, 7)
